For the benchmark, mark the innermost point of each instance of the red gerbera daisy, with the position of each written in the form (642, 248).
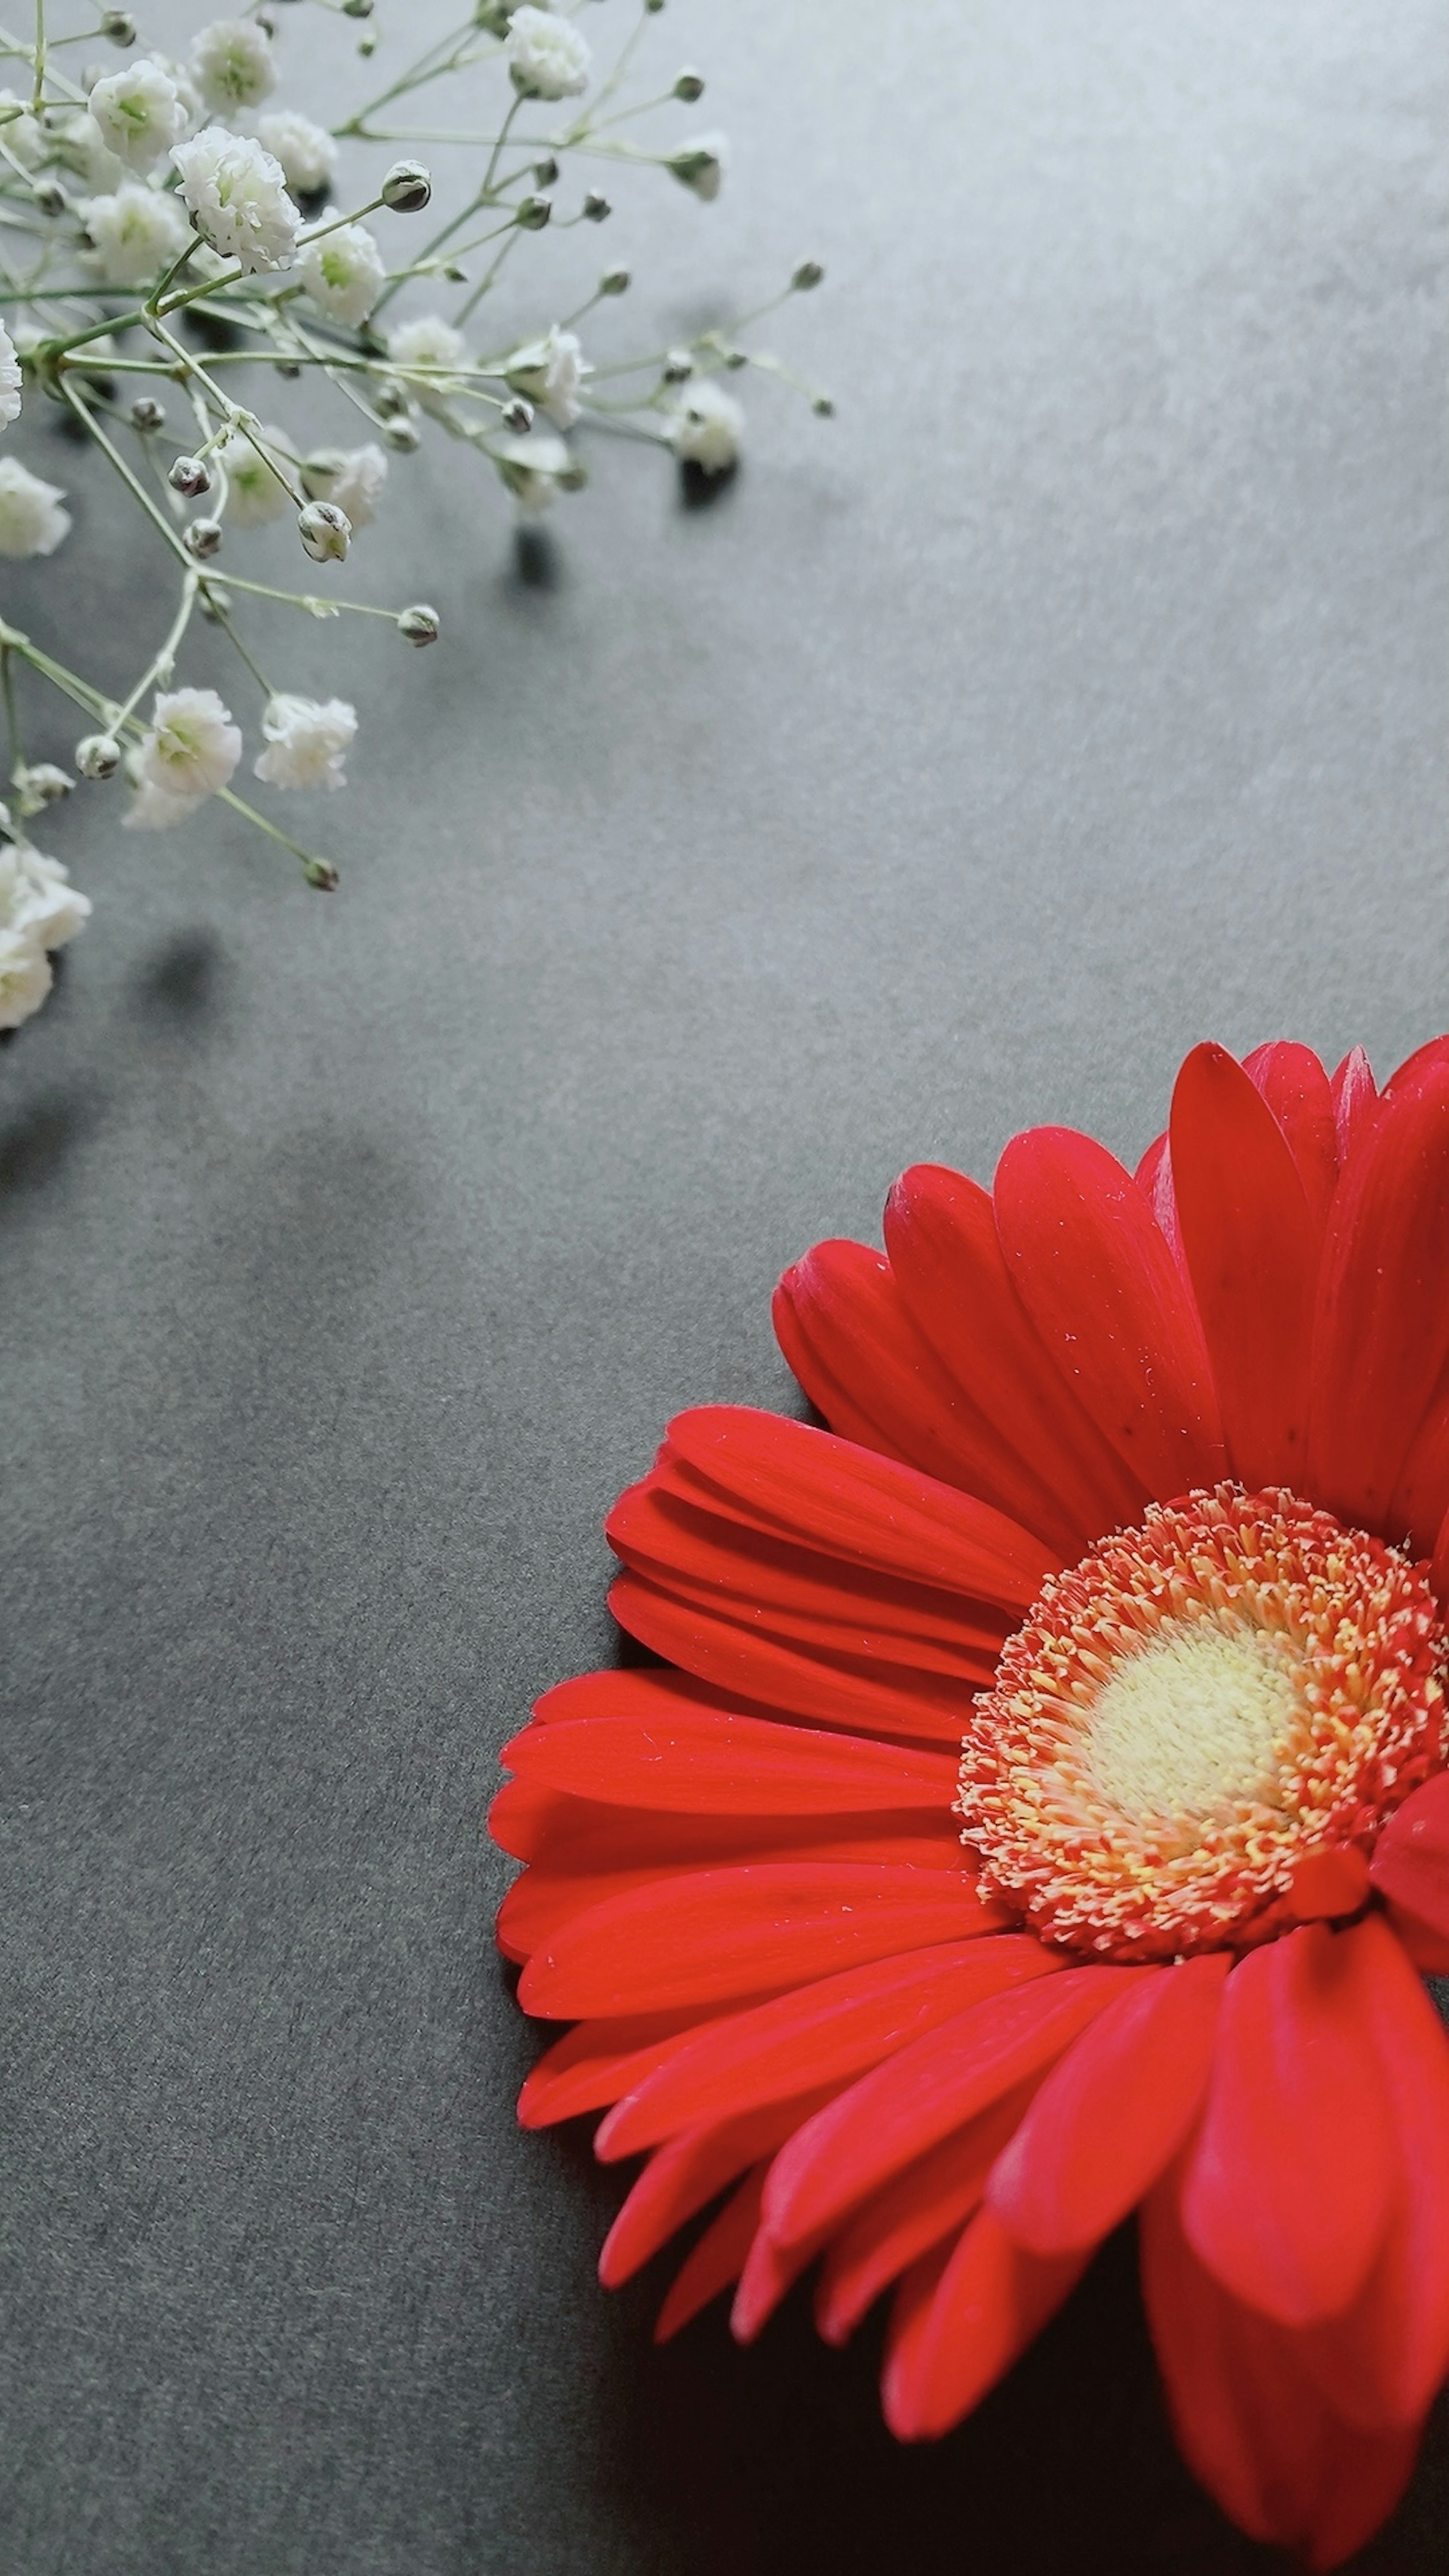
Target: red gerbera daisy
(1043, 1811)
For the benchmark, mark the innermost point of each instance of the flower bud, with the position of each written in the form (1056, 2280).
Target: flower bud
(50, 197)
(358, 8)
(146, 413)
(190, 475)
(390, 399)
(98, 756)
(652, 8)
(823, 407)
(735, 359)
(407, 188)
(597, 209)
(403, 436)
(518, 414)
(615, 281)
(325, 531)
(419, 624)
(288, 369)
(808, 274)
(367, 43)
(546, 171)
(533, 213)
(320, 873)
(573, 477)
(42, 783)
(689, 87)
(678, 367)
(699, 166)
(202, 539)
(119, 26)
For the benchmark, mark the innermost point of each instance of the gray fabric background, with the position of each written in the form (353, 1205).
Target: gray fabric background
(1075, 694)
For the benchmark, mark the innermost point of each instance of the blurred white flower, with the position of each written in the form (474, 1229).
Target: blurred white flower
(232, 64)
(82, 147)
(134, 233)
(36, 896)
(238, 198)
(550, 372)
(307, 740)
(188, 96)
(138, 113)
(547, 57)
(707, 426)
(255, 493)
(190, 747)
(306, 151)
(701, 164)
(152, 810)
(10, 380)
(531, 468)
(427, 350)
(350, 477)
(25, 977)
(32, 521)
(344, 273)
(19, 130)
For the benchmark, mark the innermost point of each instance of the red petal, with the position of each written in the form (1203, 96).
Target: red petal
(893, 2115)
(1252, 1251)
(948, 2348)
(931, 2199)
(1355, 1098)
(718, 2258)
(715, 1933)
(706, 1762)
(1411, 1858)
(1112, 2113)
(829, 2031)
(1382, 1332)
(595, 2063)
(685, 2176)
(1250, 2422)
(1104, 1292)
(1288, 2188)
(1297, 1090)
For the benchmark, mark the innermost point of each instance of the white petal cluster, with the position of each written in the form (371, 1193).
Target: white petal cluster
(134, 233)
(351, 478)
(428, 351)
(255, 491)
(138, 114)
(307, 740)
(39, 911)
(344, 273)
(232, 65)
(238, 198)
(546, 56)
(25, 977)
(80, 144)
(531, 468)
(32, 521)
(10, 380)
(701, 164)
(707, 427)
(20, 132)
(306, 151)
(188, 751)
(550, 373)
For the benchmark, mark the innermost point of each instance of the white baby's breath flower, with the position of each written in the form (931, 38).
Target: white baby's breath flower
(25, 977)
(188, 96)
(138, 113)
(707, 427)
(427, 351)
(350, 477)
(19, 131)
(531, 468)
(306, 151)
(550, 372)
(238, 198)
(307, 740)
(190, 747)
(546, 56)
(343, 272)
(10, 380)
(151, 810)
(255, 493)
(134, 233)
(701, 164)
(36, 896)
(32, 521)
(81, 146)
(232, 64)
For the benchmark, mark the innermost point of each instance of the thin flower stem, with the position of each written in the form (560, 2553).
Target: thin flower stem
(107, 447)
(163, 662)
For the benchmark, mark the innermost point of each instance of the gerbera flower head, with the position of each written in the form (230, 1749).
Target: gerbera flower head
(1039, 1810)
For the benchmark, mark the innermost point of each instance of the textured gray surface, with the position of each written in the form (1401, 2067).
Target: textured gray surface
(1077, 693)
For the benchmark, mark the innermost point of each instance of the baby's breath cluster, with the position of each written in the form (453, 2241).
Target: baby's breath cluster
(176, 235)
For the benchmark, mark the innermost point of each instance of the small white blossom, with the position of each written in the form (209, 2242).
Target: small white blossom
(307, 152)
(531, 468)
(134, 233)
(255, 493)
(190, 747)
(550, 372)
(37, 896)
(427, 350)
(707, 427)
(344, 273)
(19, 131)
(152, 810)
(232, 64)
(83, 148)
(25, 977)
(701, 164)
(10, 380)
(546, 56)
(188, 96)
(238, 198)
(32, 521)
(138, 113)
(351, 477)
(307, 741)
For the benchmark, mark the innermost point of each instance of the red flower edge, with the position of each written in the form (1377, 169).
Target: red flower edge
(1041, 1813)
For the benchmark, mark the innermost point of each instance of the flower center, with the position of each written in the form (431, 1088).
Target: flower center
(1196, 1716)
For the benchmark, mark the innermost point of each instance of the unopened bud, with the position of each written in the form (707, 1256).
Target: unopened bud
(390, 399)
(615, 281)
(735, 359)
(699, 166)
(573, 477)
(420, 624)
(652, 8)
(367, 43)
(518, 414)
(202, 539)
(546, 171)
(358, 8)
(406, 188)
(190, 475)
(288, 369)
(320, 873)
(43, 784)
(50, 197)
(98, 756)
(403, 436)
(689, 87)
(533, 213)
(146, 413)
(823, 407)
(678, 367)
(808, 274)
(119, 26)
(597, 209)
(325, 531)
